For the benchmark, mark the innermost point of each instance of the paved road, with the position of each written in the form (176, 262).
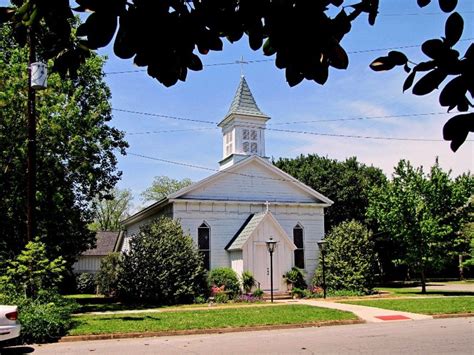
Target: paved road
(439, 286)
(437, 336)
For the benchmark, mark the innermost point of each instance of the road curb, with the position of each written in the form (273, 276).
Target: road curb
(73, 338)
(453, 315)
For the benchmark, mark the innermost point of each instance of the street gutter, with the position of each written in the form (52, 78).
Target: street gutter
(73, 338)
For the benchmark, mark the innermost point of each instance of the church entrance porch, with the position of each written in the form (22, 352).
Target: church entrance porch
(262, 267)
(248, 250)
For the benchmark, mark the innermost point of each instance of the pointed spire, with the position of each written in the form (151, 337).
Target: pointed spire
(243, 102)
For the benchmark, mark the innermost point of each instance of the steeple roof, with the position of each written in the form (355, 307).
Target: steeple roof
(243, 102)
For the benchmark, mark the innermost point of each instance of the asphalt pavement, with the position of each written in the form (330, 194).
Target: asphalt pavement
(432, 336)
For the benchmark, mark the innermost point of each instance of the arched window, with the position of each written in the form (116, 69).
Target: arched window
(298, 239)
(204, 244)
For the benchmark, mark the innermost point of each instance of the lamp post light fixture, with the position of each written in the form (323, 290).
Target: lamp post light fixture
(271, 244)
(322, 245)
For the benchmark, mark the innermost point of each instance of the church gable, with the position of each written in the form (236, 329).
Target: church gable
(253, 179)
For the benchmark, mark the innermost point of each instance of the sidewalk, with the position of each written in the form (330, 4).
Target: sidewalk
(368, 314)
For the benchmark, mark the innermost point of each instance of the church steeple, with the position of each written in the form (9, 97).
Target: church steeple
(243, 128)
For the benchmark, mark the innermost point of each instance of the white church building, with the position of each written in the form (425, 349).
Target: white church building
(232, 213)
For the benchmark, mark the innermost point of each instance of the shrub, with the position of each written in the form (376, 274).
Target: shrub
(225, 276)
(85, 283)
(300, 293)
(295, 277)
(258, 293)
(248, 281)
(44, 318)
(163, 266)
(221, 297)
(32, 271)
(349, 259)
(107, 278)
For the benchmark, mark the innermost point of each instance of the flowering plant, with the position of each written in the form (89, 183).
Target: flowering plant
(215, 290)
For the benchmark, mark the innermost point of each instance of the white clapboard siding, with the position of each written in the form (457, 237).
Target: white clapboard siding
(86, 263)
(225, 219)
(253, 182)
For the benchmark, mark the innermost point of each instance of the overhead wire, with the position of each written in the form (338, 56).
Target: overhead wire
(238, 62)
(298, 131)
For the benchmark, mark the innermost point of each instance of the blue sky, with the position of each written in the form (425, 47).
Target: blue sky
(356, 92)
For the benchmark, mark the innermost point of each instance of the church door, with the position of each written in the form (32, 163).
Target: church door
(261, 264)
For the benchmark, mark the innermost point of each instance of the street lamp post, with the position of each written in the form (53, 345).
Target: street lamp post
(321, 245)
(271, 244)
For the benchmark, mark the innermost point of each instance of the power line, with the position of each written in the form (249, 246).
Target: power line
(282, 123)
(365, 118)
(237, 62)
(172, 131)
(356, 136)
(162, 116)
(193, 166)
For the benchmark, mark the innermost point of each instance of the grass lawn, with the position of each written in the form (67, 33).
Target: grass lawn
(431, 305)
(117, 306)
(204, 319)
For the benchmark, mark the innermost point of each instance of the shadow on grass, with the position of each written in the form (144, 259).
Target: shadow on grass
(112, 307)
(445, 293)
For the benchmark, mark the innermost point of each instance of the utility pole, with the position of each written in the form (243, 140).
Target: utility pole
(31, 145)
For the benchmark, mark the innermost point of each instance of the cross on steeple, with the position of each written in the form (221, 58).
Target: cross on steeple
(242, 62)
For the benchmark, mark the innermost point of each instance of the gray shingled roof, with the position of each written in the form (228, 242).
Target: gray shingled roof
(243, 102)
(244, 233)
(105, 244)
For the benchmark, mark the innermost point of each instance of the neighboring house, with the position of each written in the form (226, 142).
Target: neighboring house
(106, 243)
(232, 213)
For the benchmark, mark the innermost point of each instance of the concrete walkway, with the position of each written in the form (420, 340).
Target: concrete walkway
(369, 314)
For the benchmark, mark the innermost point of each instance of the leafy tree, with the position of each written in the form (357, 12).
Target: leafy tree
(347, 183)
(75, 154)
(32, 271)
(162, 186)
(423, 214)
(350, 258)
(468, 232)
(163, 266)
(303, 36)
(111, 209)
(108, 276)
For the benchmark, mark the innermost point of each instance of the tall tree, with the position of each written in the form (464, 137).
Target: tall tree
(347, 183)
(162, 186)
(304, 37)
(76, 153)
(110, 210)
(423, 214)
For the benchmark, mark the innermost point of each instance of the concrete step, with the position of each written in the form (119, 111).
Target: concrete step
(277, 296)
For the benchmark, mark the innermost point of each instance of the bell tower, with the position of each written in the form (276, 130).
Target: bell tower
(243, 128)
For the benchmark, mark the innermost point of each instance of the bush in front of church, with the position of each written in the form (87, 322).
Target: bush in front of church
(227, 278)
(162, 266)
(350, 259)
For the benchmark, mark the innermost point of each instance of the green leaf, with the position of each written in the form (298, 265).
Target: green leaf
(433, 48)
(382, 64)
(409, 81)
(423, 3)
(457, 129)
(194, 63)
(448, 5)
(429, 82)
(398, 57)
(454, 28)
